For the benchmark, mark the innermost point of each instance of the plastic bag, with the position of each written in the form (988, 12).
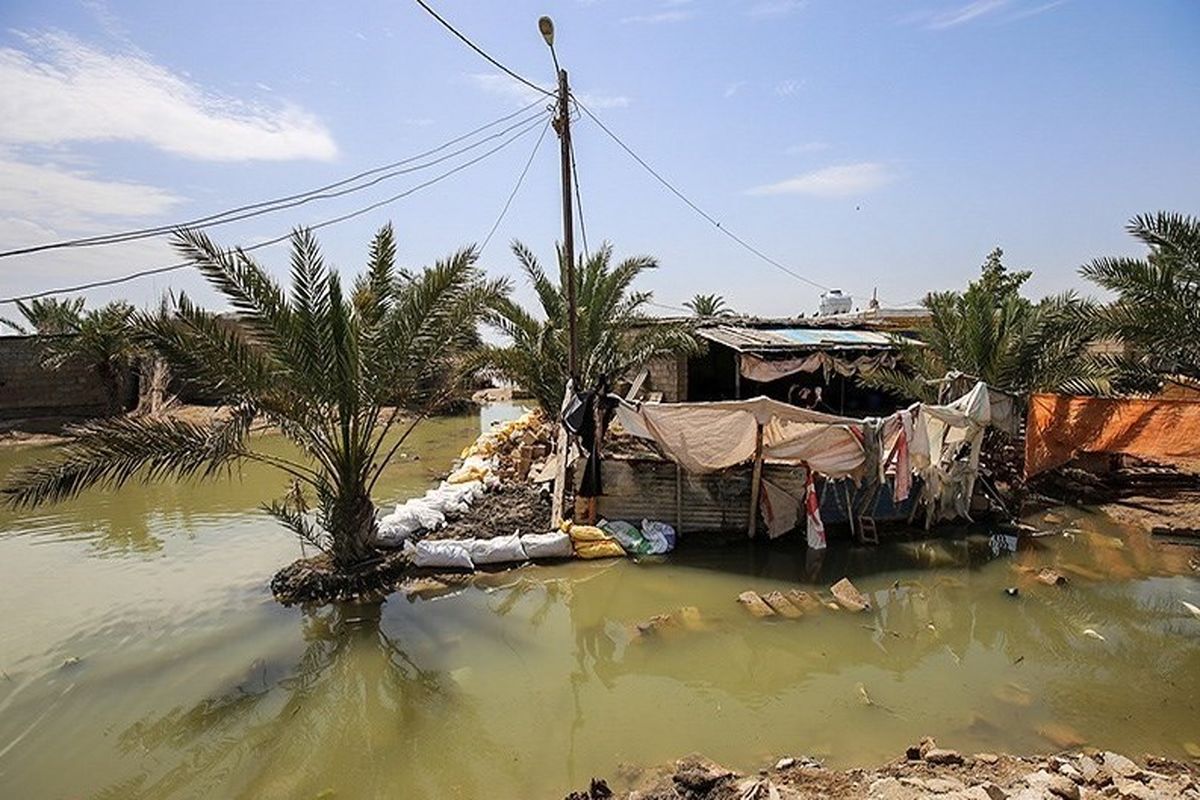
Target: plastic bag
(627, 535)
(498, 550)
(444, 554)
(554, 544)
(659, 535)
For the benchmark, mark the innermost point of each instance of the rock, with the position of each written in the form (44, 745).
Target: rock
(755, 604)
(1062, 736)
(993, 791)
(973, 793)
(938, 755)
(987, 758)
(891, 789)
(1051, 577)
(1121, 766)
(785, 763)
(1068, 769)
(1057, 785)
(782, 606)
(1133, 789)
(942, 785)
(1090, 770)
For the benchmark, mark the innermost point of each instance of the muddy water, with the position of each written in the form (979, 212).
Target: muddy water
(143, 656)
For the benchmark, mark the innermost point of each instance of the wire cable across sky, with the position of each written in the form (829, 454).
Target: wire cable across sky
(528, 129)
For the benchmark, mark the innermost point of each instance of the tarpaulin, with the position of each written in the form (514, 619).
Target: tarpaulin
(765, 370)
(1060, 427)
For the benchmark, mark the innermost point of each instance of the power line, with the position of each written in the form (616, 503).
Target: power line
(481, 52)
(267, 243)
(578, 201)
(716, 223)
(321, 193)
(516, 188)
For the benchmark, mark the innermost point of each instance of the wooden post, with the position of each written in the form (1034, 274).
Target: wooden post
(756, 480)
(560, 478)
(678, 498)
(737, 376)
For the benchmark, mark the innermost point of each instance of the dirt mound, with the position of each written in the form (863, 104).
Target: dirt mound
(509, 508)
(314, 580)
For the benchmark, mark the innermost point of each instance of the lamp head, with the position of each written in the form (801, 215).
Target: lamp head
(546, 26)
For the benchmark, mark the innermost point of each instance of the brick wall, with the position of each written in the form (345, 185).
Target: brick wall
(668, 374)
(28, 390)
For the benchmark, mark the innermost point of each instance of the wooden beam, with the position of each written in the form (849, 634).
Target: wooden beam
(756, 480)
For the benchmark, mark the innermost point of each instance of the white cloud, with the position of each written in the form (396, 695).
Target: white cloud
(71, 199)
(521, 95)
(965, 13)
(806, 147)
(788, 87)
(836, 181)
(60, 89)
(774, 8)
(733, 88)
(657, 18)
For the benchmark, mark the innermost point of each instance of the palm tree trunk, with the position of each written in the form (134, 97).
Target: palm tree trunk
(355, 529)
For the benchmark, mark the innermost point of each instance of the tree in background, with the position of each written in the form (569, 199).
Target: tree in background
(1157, 310)
(708, 305)
(47, 316)
(333, 376)
(614, 336)
(992, 333)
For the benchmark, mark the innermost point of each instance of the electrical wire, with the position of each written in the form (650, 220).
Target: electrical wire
(579, 201)
(276, 240)
(321, 193)
(516, 188)
(481, 51)
(716, 223)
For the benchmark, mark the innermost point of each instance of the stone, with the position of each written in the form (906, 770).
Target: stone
(1090, 770)
(891, 789)
(1121, 766)
(987, 758)
(943, 785)
(1132, 789)
(993, 791)
(938, 755)
(1068, 769)
(785, 763)
(1057, 785)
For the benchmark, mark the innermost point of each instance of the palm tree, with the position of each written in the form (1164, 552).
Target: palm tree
(333, 377)
(104, 339)
(47, 316)
(994, 334)
(1157, 310)
(708, 305)
(614, 336)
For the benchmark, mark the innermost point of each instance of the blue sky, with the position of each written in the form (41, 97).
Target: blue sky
(871, 144)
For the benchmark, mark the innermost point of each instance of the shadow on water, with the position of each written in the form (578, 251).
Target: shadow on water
(323, 725)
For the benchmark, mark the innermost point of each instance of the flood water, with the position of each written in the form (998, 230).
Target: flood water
(143, 655)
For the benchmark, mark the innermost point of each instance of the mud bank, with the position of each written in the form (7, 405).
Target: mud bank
(926, 771)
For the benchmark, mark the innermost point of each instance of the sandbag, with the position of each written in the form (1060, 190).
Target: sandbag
(627, 535)
(659, 536)
(554, 544)
(498, 550)
(598, 548)
(443, 554)
(587, 533)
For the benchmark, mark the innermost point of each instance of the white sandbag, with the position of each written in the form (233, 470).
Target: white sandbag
(554, 544)
(429, 517)
(499, 550)
(443, 554)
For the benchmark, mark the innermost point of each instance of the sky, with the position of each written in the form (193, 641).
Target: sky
(868, 146)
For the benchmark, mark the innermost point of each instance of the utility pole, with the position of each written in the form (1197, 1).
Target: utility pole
(562, 125)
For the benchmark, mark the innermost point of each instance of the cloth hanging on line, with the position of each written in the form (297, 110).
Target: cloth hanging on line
(812, 512)
(779, 509)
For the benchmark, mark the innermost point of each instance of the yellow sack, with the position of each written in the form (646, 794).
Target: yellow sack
(605, 548)
(466, 475)
(586, 533)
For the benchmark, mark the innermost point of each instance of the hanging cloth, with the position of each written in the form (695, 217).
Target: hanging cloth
(812, 508)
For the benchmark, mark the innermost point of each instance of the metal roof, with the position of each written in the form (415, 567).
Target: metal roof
(744, 339)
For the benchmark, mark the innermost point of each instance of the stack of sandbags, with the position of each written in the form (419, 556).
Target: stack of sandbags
(592, 542)
(429, 512)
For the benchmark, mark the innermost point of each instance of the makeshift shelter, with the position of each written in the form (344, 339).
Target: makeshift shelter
(938, 444)
(1062, 427)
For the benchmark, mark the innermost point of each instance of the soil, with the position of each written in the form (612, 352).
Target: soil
(926, 771)
(314, 580)
(509, 508)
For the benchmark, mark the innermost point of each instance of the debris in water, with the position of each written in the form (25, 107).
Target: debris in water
(1051, 577)
(1012, 591)
(755, 604)
(866, 698)
(1062, 736)
(848, 596)
(1192, 607)
(71, 661)
(1013, 694)
(782, 606)
(1093, 634)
